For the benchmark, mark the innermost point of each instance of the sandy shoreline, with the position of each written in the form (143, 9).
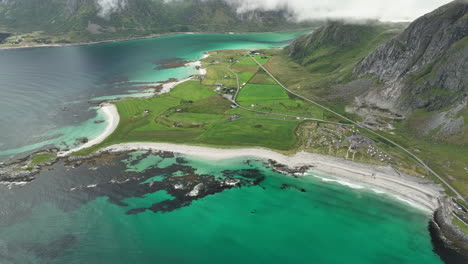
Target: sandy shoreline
(167, 87)
(89, 43)
(198, 64)
(112, 120)
(421, 193)
(112, 115)
(136, 38)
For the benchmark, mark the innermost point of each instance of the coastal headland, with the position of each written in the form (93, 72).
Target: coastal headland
(233, 109)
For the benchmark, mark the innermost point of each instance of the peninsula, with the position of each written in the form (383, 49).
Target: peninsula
(380, 107)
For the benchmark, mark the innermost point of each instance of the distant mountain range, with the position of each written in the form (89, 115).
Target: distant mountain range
(98, 20)
(385, 73)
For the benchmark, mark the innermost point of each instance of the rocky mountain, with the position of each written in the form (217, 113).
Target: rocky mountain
(426, 66)
(419, 74)
(99, 19)
(339, 44)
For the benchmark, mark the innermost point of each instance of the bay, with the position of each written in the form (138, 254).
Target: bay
(44, 92)
(139, 209)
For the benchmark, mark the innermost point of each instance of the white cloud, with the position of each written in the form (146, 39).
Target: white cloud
(395, 10)
(107, 7)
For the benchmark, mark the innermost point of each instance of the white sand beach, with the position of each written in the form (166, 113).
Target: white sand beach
(198, 63)
(421, 193)
(167, 87)
(112, 120)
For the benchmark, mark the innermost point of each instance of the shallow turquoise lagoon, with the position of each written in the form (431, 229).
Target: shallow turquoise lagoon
(279, 219)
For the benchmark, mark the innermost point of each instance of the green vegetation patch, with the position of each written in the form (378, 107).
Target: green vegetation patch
(196, 117)
(246, 61)
(462, 226)
(271, 133)
(245, 77)
(261, 58)
(262, 78)
(134, 108)
(260, 92)
(192, 90)
(219, 73)
(41, 158)
(215, 104)
(290, 107)
(238, 68)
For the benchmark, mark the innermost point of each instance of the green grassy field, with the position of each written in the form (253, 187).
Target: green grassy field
(270, 133)
(40, 159)
(261, 92)
(447, 158)
(195, 113)
(248, 62)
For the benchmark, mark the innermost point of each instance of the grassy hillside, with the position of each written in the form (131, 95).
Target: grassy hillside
(320, 66)
(82, 20)
(338, 46)
(326, 57)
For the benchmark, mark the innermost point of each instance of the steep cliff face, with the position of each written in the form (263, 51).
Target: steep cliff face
(419, 73)
(338, 45)
(423, 67)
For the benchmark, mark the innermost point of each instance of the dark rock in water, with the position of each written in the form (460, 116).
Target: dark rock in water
(450, 243)
(444, 248)
(82, 140)
(106, 175)
(287, 186)
(169, 63)
(181, 160)
(166, 154)
(186, 189)
(99, 121)
(284, 169)
(252, 175)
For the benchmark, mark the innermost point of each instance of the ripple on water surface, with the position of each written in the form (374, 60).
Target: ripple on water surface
(35, 83)
(145, 207)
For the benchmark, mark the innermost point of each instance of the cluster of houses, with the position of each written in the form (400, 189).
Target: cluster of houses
(345, 137)
(379, 154)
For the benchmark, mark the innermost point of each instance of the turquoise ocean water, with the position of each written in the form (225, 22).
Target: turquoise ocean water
(82, 215)
(139, 208)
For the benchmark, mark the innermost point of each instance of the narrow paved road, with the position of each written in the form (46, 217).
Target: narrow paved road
(234, 101)
(367, 129)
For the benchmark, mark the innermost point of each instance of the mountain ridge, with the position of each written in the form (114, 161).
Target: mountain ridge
(82, 20)
(430, 54)
(419, 74)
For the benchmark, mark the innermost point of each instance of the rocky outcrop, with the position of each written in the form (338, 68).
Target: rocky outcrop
(452, 237)
(423, 67)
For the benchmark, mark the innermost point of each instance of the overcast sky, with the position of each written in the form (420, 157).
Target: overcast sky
(385, 10)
